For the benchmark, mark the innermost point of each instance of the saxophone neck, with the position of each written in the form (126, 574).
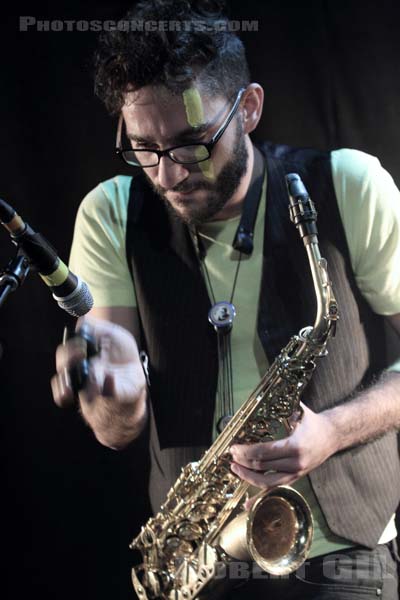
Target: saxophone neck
(327, 310)
(304, 215)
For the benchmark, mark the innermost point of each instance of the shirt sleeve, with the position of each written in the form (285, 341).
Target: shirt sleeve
(369, 205)
(98, 249)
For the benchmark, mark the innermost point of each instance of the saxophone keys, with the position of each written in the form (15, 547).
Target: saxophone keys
(176, 548)
(153, 582)
(208, 561)
(139, 589)
(294, 419)
(186, 576)
(202, 510)
(147, 537)
(189, 531)
(333, 310)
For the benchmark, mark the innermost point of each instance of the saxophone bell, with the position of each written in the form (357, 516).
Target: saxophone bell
(276, 532)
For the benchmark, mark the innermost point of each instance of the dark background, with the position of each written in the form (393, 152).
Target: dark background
(69, 506)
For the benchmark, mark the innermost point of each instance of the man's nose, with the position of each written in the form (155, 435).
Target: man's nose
(170, 173)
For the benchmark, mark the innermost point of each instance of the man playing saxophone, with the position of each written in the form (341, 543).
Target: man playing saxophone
(211, 314)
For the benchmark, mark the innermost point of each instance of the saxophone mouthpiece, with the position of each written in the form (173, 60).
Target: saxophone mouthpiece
(301, 208)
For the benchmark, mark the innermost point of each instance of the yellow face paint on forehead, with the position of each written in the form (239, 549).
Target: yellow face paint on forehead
(194, 107)
(195, 116)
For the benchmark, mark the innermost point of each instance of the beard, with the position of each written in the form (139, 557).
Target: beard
(219, 191)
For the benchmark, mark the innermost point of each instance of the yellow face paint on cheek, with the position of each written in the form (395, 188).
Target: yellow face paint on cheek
(206, 166)
(195, 116)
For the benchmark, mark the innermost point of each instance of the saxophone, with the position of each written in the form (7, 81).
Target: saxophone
(201, 526)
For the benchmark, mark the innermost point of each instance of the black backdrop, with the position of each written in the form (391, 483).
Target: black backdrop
(332, 78)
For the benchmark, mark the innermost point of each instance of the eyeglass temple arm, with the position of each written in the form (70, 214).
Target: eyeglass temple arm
(119, 130)
(221, 130)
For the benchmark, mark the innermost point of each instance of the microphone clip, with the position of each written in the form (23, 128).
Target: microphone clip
(14, 275)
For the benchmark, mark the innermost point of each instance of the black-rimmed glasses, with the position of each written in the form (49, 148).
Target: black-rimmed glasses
(185, 154)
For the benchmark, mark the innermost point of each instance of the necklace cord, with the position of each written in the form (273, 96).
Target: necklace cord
(242, 243)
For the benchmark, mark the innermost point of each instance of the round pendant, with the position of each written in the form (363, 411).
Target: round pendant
(223, 422)
(221, 316)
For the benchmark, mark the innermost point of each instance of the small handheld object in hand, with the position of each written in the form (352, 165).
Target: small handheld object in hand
(78, 375)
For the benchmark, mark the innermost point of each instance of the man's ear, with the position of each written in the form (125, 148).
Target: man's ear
(252, 105)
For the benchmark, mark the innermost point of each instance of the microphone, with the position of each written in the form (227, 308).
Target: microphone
(71, 293)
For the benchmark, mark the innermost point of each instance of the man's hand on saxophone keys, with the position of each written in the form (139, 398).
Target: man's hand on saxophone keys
(281, 462)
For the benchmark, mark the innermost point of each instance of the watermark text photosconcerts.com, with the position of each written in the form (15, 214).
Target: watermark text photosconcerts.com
(29, 23)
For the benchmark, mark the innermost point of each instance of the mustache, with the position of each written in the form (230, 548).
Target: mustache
(184, 187)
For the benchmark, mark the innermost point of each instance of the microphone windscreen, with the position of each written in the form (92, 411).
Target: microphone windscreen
(79, 302)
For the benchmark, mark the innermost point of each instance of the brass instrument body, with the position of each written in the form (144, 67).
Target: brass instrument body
(201, 528)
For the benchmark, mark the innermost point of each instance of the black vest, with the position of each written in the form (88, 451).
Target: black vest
(358, 489)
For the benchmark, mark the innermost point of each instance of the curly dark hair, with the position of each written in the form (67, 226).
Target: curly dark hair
(197, 44)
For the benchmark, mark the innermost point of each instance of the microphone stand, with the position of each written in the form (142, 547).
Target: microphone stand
(13, 275)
